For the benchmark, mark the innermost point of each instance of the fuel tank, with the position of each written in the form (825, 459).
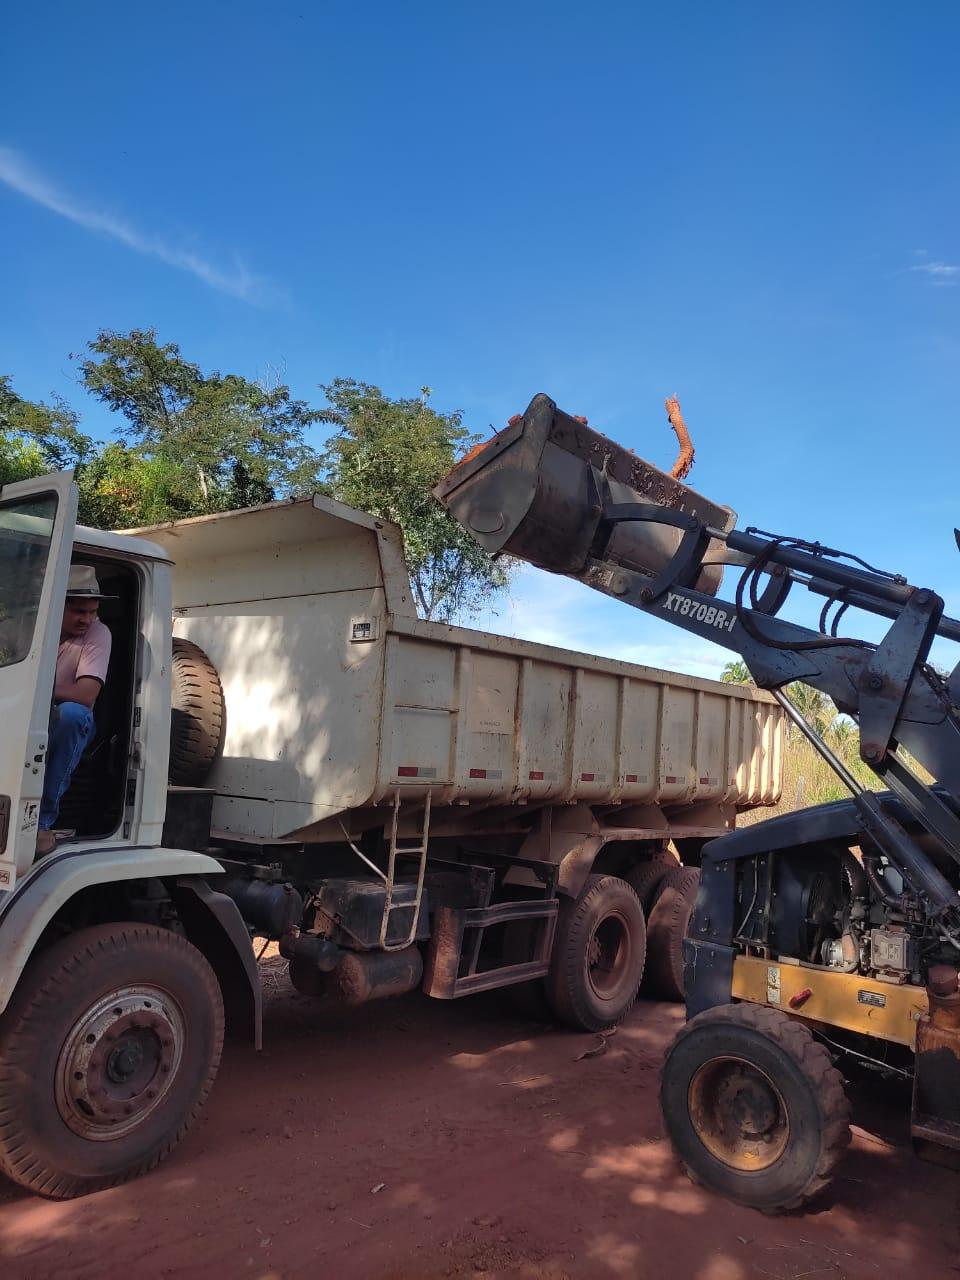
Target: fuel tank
(536, 491)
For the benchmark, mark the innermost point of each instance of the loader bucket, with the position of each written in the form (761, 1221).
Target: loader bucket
(533, 491)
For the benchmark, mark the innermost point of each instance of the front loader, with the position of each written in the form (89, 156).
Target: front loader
(824, 936)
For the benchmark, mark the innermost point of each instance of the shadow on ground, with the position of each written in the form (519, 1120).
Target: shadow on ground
(415, 1139)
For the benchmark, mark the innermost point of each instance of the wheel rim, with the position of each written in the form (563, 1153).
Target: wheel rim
(609, 954)
(119, 1061)
(738, 1113)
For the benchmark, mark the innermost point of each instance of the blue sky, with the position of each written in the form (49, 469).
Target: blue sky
(752, 206)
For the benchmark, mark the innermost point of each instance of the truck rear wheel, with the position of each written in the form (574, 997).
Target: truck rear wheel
(598, 955)
(108, 1050)
(647, 879)
(667, 926)
(754, 1107)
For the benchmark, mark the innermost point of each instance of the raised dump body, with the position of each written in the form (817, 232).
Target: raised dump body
(337, 696)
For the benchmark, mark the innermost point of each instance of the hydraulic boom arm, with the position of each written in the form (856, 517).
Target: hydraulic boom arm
(550, 490)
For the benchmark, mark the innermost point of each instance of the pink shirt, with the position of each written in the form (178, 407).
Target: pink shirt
(87, 657)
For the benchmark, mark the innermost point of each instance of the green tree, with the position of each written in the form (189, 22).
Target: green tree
(736, 672)
(120, 488)
(36, 437)
(844, 737)
(384, 458)
(235, 442)
(815, 707)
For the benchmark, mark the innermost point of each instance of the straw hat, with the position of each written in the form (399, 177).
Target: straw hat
(82, 584)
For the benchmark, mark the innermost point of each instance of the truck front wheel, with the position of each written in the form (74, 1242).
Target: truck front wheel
(108, 1050)
(598, 955)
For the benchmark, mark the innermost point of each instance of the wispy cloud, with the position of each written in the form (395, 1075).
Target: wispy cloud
(939, 273)
(236, 280)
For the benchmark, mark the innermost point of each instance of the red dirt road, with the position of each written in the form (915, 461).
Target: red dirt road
(497, 1153)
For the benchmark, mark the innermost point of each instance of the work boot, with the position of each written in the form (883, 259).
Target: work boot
(46, 842)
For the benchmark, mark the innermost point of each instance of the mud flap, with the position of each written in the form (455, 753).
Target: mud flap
(215, 927)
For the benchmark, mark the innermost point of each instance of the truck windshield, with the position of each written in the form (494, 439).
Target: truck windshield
(26, 527)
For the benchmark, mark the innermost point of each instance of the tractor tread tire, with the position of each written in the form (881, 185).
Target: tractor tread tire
(197, 720)
(41, 1007)
(666, 928)
(813, 1060)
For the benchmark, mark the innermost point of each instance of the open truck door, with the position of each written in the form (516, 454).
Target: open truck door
(37, 520)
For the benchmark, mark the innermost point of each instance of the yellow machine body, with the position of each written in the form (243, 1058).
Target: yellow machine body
(885, 1010)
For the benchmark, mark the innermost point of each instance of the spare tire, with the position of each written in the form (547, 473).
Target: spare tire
(197, 719)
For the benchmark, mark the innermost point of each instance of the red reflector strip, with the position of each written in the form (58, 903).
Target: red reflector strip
(586, 777)
(536, 775)
(478, 773)
(670, 779)
(407, 771)
(631, 777)
(704, 782)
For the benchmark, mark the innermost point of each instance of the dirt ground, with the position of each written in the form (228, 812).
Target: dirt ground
(416, 1139)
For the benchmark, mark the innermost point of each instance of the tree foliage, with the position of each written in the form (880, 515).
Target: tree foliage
(190, 443)
(385, 457)
(736, 672)
(36, 437)
(222, 440)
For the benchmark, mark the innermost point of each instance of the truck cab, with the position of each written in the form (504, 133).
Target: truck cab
(114, 800)
(116, 955)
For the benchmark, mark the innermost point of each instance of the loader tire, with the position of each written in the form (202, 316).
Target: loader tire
(647, 879)
(598, 955)
(667, 927)
(197, 719)
(108, 1050)
(754, 1106)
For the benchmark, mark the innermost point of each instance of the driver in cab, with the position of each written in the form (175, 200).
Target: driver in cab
(82, 662)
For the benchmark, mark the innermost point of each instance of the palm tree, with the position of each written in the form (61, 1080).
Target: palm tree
(815, 707)
(736, 672)
(845, 736)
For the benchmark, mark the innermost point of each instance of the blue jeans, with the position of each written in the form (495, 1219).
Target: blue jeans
(71, 728)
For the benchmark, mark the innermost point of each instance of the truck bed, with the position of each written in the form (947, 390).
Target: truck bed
(337, 695)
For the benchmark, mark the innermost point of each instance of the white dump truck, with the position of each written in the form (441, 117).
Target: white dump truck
(399, 804)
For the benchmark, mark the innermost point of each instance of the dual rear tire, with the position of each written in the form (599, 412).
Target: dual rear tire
(598, 955)
(617, 934)
(668, 893)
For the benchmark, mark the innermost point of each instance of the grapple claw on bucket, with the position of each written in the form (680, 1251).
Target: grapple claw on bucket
(537, 491)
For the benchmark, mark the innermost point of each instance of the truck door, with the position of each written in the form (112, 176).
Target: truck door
(36, 538)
